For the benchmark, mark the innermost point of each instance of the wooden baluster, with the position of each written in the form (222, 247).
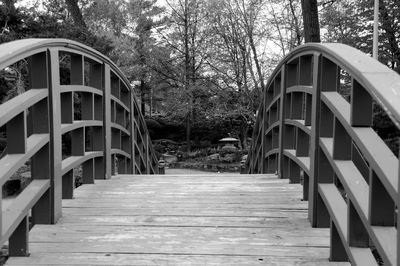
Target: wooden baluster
(40, 162)
(107, 160)
(341, 142)
(302, 143)
(357, 235)
(55, 133)
(88, 172)
(398, 215)
(16, 134)
(284, 101)
(381, 205)
(314, 145)
(337, 250)
(294, 172)
(18, 241)
(361, 106)
(67, 108)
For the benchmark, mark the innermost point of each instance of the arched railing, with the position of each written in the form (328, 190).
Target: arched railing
(77, 112)
(308, 132)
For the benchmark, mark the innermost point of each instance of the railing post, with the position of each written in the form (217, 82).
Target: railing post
(55, 133)
(18, 241)
(40, 162)
(107, 160)
(314, 142)
(398, 218)
(263, 116)
(282, 115)
(146, 137)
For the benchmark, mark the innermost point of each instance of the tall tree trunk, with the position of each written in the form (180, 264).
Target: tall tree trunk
(390, 33)
(310, 20)
(76, 13)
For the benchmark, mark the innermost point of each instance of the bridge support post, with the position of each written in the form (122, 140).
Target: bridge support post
(40, 124)
(107, 162)
(282, 114)
(55, 134)
(314, 142)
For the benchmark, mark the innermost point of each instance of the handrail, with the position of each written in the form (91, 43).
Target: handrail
(307, 132)
(110, 131)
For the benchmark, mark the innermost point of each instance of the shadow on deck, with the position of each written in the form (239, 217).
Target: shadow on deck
(208, 219)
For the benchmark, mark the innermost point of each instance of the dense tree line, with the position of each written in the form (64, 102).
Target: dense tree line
(200, 65)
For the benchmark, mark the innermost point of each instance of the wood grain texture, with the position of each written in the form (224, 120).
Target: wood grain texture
(182, 220)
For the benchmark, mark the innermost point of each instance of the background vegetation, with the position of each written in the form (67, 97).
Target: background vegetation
(198, 66)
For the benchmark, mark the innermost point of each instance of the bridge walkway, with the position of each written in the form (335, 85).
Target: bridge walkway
(207, 219)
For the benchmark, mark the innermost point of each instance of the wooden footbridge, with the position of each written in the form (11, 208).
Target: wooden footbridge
(320, 187)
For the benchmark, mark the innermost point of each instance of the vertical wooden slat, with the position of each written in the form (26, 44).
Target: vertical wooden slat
(306, 186)
(357, 234)
(361, 106)
(40, 162)
(17, 134)
(77, 69)
(302, 143)
(68, 185)
(305, 70)
(398, 217)
(262, 115)
(107, 122)
(308, 110)
(67, 107)
(88, 172)
(341, 142)
(147, 153)
(18, 242)
(296, 106)
(131, 137)
(78, 142)
(282, 116)
(289, 140)
(326, 122)
(87, 106)
(96, 76)
(314, 145)
(40, 169)
(38, 70)
(330, 78)
(98, 107)
(381, 205)
(99, 168)
(294, 172)
(55, 133)
(337, 250)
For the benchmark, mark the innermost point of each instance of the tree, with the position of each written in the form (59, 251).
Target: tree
(185, 38)
(310, 21)
(76, 13)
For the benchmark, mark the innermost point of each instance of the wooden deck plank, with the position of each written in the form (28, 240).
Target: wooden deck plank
(182, 220)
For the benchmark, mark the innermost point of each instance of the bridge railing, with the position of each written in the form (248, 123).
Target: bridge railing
(309, 132)
(79, 112)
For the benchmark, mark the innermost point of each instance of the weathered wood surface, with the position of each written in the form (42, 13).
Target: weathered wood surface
(182, 220)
